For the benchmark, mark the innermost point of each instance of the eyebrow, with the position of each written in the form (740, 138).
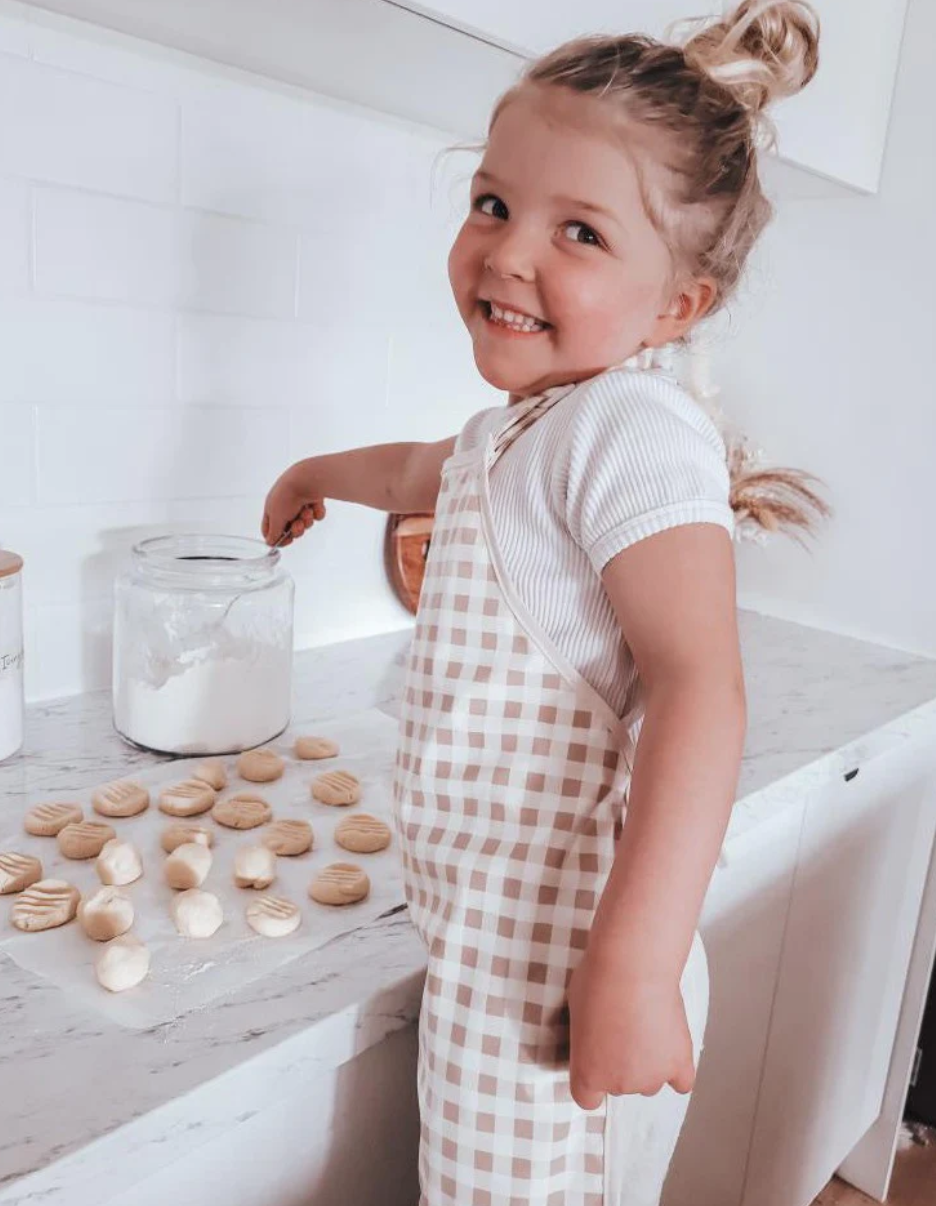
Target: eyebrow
(575, 202)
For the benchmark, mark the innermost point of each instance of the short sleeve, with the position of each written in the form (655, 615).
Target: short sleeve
(638, 456)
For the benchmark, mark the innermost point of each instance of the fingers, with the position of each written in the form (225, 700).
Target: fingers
(588, 1099)
(684, 1079)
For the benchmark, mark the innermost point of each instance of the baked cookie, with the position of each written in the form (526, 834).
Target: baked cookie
(122, 964)
(362, 833)
(177, 835)
(189, 798)
(46, 820)
(309, 748)
(84, 839)
(196, 914)
(45, 905)
(254, 867)
(340, 884)
(260, 766)
(337, 787)
(244, 811)
(273, 917)
(119, 863)
(105, 914)
(211, 772)
(124, 798)
(18, 871)
(288, 837)
(187, 866)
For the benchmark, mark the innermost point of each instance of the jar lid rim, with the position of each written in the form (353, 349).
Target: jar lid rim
(10, 563)
(243, 552)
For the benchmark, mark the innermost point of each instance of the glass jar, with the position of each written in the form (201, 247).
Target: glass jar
(203, 632)
(11, 653)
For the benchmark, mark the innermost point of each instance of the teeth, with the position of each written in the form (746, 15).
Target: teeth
(516, 322)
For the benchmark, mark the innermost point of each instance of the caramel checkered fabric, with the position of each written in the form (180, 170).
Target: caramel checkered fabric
(509, 792)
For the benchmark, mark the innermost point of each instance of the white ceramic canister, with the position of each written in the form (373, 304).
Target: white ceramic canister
(203, 631)
(11, 653)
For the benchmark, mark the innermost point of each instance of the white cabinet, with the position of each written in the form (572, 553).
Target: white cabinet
(742, 926)
(837, 127)
(854, 908)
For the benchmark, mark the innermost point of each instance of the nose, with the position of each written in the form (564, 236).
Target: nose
(511, 255)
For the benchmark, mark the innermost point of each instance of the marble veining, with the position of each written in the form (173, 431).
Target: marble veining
(90, 1108)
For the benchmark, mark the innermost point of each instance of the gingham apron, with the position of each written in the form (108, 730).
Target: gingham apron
(509, 793)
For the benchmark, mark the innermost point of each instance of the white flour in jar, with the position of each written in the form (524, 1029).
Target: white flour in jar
(207, 704)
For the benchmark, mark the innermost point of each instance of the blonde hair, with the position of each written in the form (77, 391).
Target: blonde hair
(705, 98)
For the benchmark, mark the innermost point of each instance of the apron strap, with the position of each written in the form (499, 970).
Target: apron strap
(527, 414)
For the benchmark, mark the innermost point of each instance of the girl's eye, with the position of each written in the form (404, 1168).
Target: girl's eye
(488, 204)
(584, 234)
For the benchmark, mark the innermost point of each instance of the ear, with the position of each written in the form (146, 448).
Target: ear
(691, 301)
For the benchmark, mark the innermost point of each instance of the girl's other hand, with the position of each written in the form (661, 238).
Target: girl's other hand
(627, 1034)
(289, 510)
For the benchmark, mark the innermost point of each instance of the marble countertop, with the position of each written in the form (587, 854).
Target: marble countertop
(89, 1107)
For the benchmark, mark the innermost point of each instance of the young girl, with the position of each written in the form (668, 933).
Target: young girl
(579, 587)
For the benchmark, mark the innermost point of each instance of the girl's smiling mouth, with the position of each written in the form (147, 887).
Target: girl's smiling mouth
(506, 319)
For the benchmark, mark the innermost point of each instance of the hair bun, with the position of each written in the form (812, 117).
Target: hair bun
(761, 52)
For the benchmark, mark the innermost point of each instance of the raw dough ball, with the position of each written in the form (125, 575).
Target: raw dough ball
(187, 866)
(288, 837)
(273, 917)
(124, 798)
(196, 914)
(337, 787)
(339, 884)
(362, 833)
(176, 835)
(122, 964)
(187, 799)
(212, 773)
(46, 820)
(105, 914)
(119, 863)
(85, 839)
(254, 867)
(316, 747)
(45, 905)
(18, 871)
(260, 766)
(244, 811)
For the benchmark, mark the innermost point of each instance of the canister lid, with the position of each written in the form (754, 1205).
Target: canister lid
(10, 563)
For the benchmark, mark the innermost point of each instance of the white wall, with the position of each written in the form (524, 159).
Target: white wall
(830, 364)
(204, 277)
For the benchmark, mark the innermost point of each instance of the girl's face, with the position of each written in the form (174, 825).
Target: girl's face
(557, 272)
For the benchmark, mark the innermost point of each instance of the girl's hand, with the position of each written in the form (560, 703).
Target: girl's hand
(290, 509)
(628, 1034)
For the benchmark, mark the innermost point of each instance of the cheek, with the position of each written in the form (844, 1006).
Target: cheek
(461, 261)
(604, 306)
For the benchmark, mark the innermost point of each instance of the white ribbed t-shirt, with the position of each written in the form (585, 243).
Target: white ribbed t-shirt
(626, 454)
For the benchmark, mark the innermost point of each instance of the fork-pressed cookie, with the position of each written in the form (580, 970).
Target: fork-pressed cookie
(211, 772)
(47, 820)
(18, 871)
(362, 834)
(122, 798)
(338, 787)
(340, 884)
(190, 798)
(288, 837)
(85, 839)
(243, 811)
(45, 905)
(273, 917)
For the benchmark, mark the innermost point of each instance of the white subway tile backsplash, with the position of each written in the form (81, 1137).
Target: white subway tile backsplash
(70, 129)
(230, 266)
(254, 362)
(101, 455)
(15, 235)
(59, 350)
(16, 460)
(93, 246)
(14, 31)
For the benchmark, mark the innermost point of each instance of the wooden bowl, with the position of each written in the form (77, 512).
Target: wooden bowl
(406, 547)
